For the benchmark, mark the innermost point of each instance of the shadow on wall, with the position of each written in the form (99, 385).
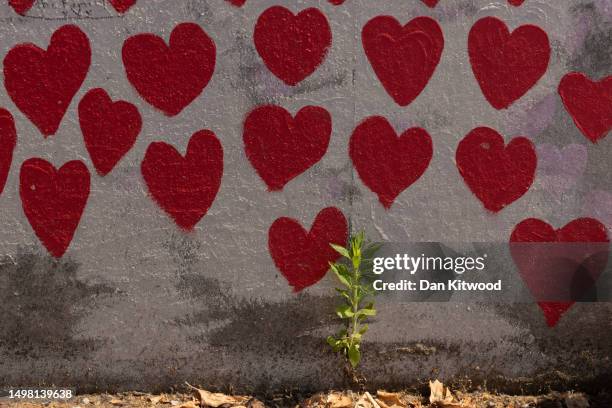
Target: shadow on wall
(42, 303)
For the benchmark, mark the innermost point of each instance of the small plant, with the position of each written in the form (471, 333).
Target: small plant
(354, 273)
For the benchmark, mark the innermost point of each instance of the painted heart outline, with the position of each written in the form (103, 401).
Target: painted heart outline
(292, 46)
(21, 6)
(589, 103)
(559, 265)
(109, 128)
(497, 174)
(281, 147)
(53, 200)
(385, 162)
(170, 77)
(302, 256)
(122, 5)
(8, 141)
(403, 58)
(42, 83)
(185, 187)
(507, 65)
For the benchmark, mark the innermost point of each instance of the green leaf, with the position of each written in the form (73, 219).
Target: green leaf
(341, 273)
(363, 329)
(344, 293)
(341, 250)
(354, 355)
(365, 312)
(344, 311)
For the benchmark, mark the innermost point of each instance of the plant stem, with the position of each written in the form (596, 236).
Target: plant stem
(355, 302)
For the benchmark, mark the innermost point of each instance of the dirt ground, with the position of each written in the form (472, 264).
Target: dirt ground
(440, 397)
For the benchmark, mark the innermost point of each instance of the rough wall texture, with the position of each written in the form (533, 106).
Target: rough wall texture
(137, 302)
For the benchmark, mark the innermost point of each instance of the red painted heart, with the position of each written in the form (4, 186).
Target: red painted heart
(8, 141)
(516, 3)
(292, 46)
(430, 3)
(403, 58)
(280, 147)
(302, 256)
(21, 6)
(122, 5)
(185, 188)
(386, 163)
(561, 265)
(589, 103)
(109, 128)
(506, 65)
(42, 83)
(498, 175)
(53, 200)
(170, 77)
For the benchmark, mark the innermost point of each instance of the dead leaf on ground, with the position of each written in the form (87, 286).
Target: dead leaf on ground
(339, 400)
(154, 399)
(216, 399)
(188, 404)
(390, 398)
(364, 402)
(116, 402)
(441, 396)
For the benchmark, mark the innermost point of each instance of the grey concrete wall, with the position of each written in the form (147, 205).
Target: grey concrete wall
(136, 303)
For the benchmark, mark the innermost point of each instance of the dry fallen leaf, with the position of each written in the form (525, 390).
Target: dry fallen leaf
(154, 399)
(216, 399)
(364, 402)
(338, 400)
(188, 404)
(371, 399)
(116, 402)
(390, 398)
(441, 396)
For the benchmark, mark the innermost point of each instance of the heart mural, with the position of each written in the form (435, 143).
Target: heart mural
(430, 3)
(281, 147)
(302, 256)
(507, 65)
(292, 46)
(42, 83)
(109, 128)
(122, 5)
(8, 141)
(53, 200)
(589, 103)
(559, 266)
(21, 6)
(170, 77)
(403, 57)
(185, 187)
(498, 175)
(386, 163)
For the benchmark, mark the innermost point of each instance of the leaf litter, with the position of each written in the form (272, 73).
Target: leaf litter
(439, 396)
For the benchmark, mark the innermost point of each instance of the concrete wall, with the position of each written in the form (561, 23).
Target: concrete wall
(138, 303)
